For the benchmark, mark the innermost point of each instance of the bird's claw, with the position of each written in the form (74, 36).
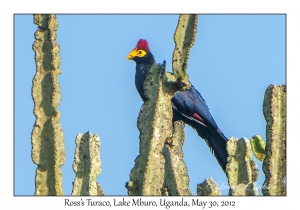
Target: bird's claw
(169, 142)
(183, 83)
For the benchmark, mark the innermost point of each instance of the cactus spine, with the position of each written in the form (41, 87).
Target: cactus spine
(48, 150)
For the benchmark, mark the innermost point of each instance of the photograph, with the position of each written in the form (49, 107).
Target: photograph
(150, 105)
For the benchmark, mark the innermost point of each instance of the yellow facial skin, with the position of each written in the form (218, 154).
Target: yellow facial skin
(136, 53)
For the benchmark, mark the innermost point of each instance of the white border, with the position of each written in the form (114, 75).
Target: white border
(133, 6)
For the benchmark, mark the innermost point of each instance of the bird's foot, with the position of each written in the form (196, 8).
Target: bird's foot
(169, 141)
(183, 83)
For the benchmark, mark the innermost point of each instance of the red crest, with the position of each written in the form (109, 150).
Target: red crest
(143, 45)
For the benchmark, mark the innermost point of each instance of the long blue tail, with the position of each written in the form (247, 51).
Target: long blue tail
(215, 139)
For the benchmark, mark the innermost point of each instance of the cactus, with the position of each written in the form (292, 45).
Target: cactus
(272, 153)
(87, 165)
(241, 170)
(258, 147)
(274, 165)
(48, 150)
(184, 38)
(176, 180)
(208, 188)
(155, 125)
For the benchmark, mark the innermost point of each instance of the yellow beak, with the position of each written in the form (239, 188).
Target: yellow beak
(132, 54)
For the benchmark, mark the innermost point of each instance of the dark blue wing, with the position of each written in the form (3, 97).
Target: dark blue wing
(190, 102)
(190, 107)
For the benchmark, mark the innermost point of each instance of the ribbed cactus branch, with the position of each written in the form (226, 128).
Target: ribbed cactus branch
(274, 166)
(184, 38)
(258, 146)
(176, 179)
(48, 150)
(87, 165)
(241, 170)
(208, 188)
(155, 125)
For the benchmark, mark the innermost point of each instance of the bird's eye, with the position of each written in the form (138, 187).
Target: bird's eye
(140, 52)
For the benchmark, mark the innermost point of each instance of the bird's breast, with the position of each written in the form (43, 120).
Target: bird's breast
(141, 73)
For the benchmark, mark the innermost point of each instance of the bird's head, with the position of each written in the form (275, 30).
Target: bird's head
(141, 53)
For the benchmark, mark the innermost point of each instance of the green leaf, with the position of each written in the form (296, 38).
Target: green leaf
(258, 146)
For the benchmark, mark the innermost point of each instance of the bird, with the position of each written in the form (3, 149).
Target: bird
(188, 106)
